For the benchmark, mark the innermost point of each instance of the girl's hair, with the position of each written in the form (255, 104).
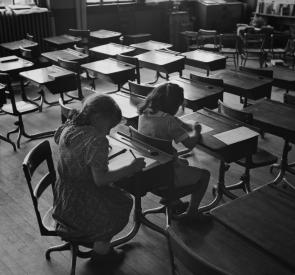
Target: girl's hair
(96, 104)
(166, 98)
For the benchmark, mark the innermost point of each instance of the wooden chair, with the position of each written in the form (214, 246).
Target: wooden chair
(84, 34)
(29, 37)
(33, 54)
(190, 38)
(64, 111)
(133, 61)
(228, 46)
(136, 38)
(260, 159)
(141, 90)
(213, 81)
(253, 48)
(167, 193)
(2, 102)
(189, 258)
(19, 109)
(75, 67)
(207, 40)
(41, 154)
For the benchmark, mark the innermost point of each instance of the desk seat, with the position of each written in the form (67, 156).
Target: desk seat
(21, 106)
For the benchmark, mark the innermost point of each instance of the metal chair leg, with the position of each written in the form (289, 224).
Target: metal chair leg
(63, 247)
(74, 249)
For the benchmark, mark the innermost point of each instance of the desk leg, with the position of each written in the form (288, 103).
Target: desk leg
(158, 75)
(220, 189)
(284, 164)
(9, 141)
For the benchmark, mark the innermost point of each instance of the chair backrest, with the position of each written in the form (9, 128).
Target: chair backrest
(139, 89)
(207, 36)
(289, 99)
(136, 38)
(31, 53)
(131, 60)
(190, 38)
(213, 81)
(72, 66)
(40, 154)
(234, 113)
(256, 71)
(191, 260)
(8, 93)
(79, 33)
(29, 37)
(228, 40)
(253, 41)
(79, 49)
(161, 144)
(64, 111)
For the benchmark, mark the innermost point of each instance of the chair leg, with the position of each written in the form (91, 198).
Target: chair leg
(9, 141)
(158, 210)
(74, 250)
(62, 247)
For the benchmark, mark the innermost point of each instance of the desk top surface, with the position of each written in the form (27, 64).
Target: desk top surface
(151, 45)
(108, 66)
(203, 56)
(274, 117)
(68, 54)
(62, 39)
(241, 256)
(112, 49)
(159, 58)
(104, 34)
(46, 75)
(266, 217)
(193, 90)
(13, 63)
(14, 45)
(242, 80)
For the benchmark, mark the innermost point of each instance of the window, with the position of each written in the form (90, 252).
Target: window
(16, 2)
(107, 1)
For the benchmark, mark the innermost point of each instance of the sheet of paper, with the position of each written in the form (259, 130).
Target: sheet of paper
(205, 128)
(236, 135)
(126, 158)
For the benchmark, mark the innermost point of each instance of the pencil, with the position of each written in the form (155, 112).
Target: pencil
(132, 153)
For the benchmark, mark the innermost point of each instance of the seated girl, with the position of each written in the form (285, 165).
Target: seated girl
(87, 204)
(157, 119)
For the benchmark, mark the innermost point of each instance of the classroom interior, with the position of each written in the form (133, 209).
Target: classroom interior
(234, 59)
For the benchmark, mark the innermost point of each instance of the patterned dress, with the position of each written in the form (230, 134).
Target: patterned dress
(82, 209)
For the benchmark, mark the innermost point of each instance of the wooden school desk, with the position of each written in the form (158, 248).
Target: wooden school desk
(253, 234)
(15, 45)
(13, 64)
(161, 61)
(62, 41)
(199, 94)
(110, 50)
(245, 85)
(208, 61)
(158, 163)
(105, 36)
(68, 54)
(112, 70)
(241, 146)
(150, 45)
(278, 119)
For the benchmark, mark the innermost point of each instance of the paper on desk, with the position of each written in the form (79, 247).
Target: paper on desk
(236, 135)
(126, 158)
(205, 128)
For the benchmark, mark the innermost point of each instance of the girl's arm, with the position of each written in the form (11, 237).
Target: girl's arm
(103, 178)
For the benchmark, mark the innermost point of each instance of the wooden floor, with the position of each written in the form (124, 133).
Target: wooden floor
(21, 247)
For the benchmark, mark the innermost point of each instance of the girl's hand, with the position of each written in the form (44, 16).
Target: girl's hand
(137, 165)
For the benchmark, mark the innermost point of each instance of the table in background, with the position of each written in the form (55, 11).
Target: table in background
(278, 119)
(161, 61)
(245, 85)
(216, 148)
(199, 94)
(283, 78)
(110, 50)
(253, 234)
(208, 61)
(14, 46)
(150, 45)
(14, 65)
(62, 41)
(68, 54)
(112, 70)
(105, 36)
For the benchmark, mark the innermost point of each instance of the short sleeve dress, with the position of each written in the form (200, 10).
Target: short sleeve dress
(82, 209)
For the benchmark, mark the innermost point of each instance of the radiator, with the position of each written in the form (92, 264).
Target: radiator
(15, 26)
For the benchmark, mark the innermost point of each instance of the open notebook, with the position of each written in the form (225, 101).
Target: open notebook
(120, 157)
